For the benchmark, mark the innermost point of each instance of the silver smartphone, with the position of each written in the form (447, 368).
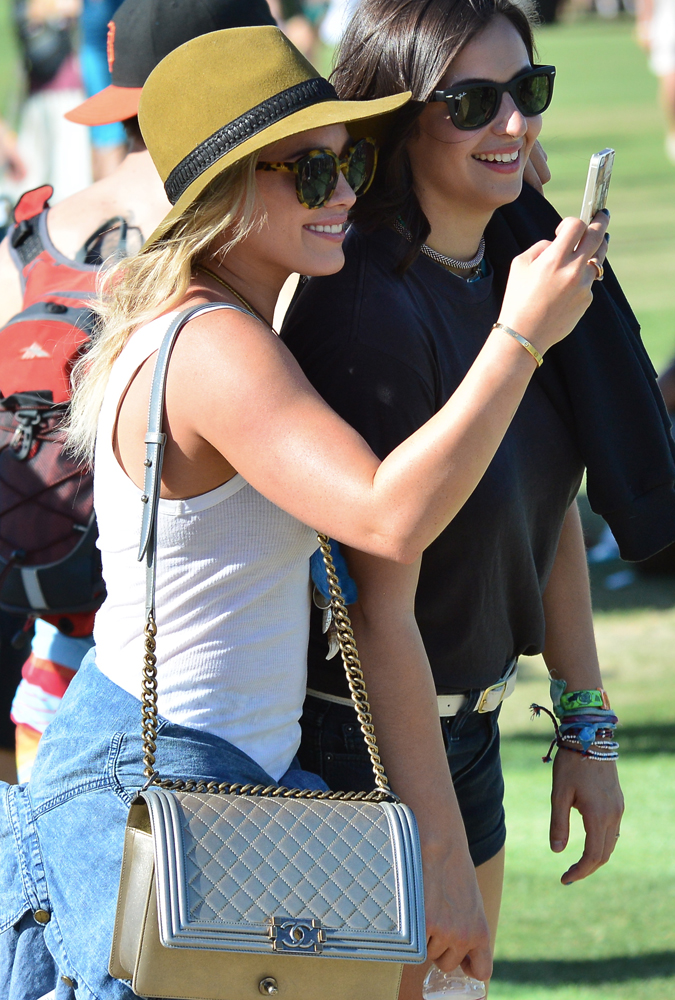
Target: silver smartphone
(597, 184)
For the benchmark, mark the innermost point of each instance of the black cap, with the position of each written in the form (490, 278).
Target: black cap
(147, 30)
(142, 32)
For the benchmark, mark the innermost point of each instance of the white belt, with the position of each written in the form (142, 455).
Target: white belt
(450, 704)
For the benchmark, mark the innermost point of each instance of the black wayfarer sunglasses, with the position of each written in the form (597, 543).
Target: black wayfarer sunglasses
(317, 173)
(473, 105)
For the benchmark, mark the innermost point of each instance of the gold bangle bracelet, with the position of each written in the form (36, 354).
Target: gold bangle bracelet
(521, 340)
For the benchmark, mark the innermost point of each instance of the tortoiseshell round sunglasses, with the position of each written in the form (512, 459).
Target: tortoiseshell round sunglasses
(317, 172)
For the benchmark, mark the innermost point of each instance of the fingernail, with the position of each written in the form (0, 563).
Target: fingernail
(607, 237)
(568, 883)
(558, 845)
(606, 211)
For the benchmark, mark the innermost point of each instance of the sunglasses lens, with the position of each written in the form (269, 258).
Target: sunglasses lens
(474, 107)
(317, 179)
(361, 166)
(534, 93)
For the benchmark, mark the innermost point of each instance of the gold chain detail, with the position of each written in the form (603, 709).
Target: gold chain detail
(352, 665)
(357, 687)
(149, 699)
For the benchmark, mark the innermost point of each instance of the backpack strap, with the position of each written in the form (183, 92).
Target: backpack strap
(155, 441)
(24, 236)
(31, 203)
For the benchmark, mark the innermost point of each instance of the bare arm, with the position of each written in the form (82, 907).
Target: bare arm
(403, 699)
(570, 653)
(644, 12)
(10, 158)
(244, 395)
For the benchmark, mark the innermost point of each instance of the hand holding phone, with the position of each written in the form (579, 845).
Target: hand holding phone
(597, 184)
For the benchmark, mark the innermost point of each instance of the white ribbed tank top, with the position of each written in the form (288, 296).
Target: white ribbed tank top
(232, 596)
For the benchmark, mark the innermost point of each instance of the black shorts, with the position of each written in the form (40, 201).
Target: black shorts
(332, 746)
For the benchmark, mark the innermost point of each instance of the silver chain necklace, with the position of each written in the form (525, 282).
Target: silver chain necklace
(440, 258)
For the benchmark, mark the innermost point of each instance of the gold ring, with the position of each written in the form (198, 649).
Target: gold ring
(599, 268)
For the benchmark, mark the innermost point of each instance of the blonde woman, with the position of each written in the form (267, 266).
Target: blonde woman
(258, 165)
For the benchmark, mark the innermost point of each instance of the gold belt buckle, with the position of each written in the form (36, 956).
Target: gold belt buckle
(488, 691)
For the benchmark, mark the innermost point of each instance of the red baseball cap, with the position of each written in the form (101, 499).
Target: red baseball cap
(142, 32)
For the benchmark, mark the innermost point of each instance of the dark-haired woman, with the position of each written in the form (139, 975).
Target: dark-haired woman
(399, 329)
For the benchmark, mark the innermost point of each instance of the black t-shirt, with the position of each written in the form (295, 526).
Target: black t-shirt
(387, 352)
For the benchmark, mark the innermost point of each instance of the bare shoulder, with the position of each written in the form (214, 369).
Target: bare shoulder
(228, 372)
(11, 294)
(72, 221)
(133, 192)
(229, 344)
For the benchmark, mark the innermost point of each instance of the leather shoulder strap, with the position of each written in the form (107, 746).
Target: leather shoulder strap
(155, 441)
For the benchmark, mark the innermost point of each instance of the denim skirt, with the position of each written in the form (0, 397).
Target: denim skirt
(61, 835)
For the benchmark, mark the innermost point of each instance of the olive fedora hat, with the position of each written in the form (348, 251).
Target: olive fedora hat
(228, 93)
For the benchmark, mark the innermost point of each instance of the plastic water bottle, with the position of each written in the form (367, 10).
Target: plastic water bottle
(455, 985)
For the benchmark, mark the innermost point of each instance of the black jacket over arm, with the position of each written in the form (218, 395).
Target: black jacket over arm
(603, 384)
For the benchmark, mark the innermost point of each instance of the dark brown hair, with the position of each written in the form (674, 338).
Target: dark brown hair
(133, 131)
(395, 45)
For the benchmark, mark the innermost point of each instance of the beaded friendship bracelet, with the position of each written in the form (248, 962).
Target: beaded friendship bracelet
(587, 722)
(600, 737)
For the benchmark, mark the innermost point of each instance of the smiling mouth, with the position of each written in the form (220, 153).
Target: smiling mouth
(497, 157)
(341, 228)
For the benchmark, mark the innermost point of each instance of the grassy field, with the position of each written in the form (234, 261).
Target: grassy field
(612, 936)
(605, 96)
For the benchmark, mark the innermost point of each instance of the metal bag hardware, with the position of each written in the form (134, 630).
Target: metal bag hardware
(236, 891)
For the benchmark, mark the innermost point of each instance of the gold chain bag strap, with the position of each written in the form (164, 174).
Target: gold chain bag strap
(229, 890)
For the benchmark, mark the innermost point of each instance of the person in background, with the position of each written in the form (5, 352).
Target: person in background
(335, 21)
(52, 150)
(109, 141)
(301, 21)
(655, 26)
(110, 218)
(10, 158)
(13, 168)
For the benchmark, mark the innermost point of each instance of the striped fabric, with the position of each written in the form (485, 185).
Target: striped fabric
(46, 674)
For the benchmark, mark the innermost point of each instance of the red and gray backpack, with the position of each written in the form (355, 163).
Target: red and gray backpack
(49, 563)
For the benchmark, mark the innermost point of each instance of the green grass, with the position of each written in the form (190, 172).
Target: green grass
(612, 935)
(605, 96)
(616, 928)
(10, 74)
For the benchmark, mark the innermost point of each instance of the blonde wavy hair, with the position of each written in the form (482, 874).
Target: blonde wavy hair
(137, 289)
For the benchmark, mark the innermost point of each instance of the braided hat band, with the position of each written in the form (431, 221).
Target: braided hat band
(227, 138)
(226, 94)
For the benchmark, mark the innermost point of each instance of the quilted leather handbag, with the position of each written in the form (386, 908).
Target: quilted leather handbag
(230, 891)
